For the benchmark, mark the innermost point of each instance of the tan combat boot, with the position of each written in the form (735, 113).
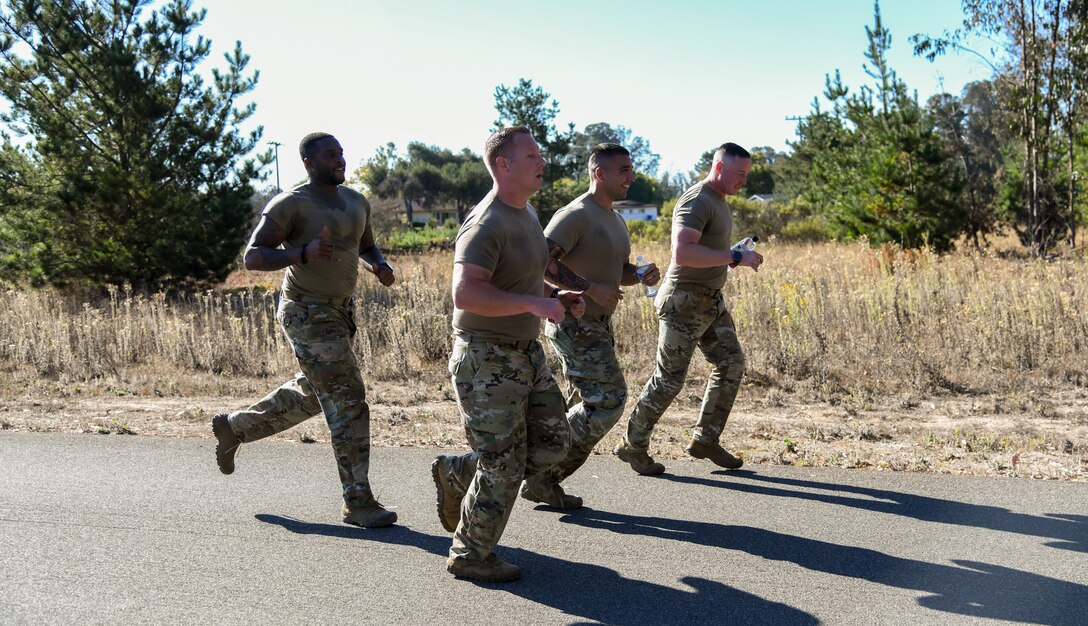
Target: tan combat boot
(639, 461)
(226, 443)
(449, 495)
(490, 570)
(369, 515)
(715, 453)
(537, 489)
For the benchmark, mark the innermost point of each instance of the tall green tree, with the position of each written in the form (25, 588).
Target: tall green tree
(427, 177)
(971, 127)
(138, 166)
(1042, 73)
(645, 160)
(874, 163)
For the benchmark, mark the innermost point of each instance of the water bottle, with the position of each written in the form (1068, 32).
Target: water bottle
(748, 244)
(641, 265)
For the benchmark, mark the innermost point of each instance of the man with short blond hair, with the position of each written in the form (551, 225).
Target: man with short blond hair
(692, 313)
(510, 405)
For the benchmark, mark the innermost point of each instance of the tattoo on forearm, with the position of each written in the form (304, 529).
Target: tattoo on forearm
(559, 274)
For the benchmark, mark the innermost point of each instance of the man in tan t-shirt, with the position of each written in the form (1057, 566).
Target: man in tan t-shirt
(510, 406)
(595, 248)
(324, 229)
(692, 314)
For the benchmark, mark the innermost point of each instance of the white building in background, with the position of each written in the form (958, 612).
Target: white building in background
(635, 211)
(761, 197)
(420, 217)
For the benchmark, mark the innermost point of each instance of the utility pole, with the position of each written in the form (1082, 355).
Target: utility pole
(276, 145)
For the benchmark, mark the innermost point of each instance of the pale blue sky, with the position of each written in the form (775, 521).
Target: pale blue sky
(685, 74)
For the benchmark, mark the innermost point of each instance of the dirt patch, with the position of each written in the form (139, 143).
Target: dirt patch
(1043, 437)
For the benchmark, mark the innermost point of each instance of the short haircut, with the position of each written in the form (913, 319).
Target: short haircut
(499, 142)
(730, 150)
(603, 151)
(306, 146)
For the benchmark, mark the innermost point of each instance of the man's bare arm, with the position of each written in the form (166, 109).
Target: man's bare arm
(557, 273)
(372, 258)
(473, 292)
(263, 253)
(690, 253)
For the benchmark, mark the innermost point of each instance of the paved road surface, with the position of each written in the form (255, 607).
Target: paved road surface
(115, 529)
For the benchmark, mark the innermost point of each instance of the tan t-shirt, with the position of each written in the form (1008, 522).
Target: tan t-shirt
(509, 243)
(705, 210)
(303, 212)
(596, 242)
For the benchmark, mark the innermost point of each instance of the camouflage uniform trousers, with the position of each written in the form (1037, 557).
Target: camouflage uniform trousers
(329, 382)
(595, 389)
(514, 419)
(690, 317)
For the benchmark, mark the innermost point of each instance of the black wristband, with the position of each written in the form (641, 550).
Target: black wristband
(738, 256)
(302, 256)
(555, 293)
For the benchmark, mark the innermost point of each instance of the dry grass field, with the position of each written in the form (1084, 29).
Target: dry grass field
(858, 357)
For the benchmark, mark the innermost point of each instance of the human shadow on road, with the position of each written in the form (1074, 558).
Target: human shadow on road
(591, 592)
(603, 595)
(397, 535)
(980, 590)
(1070, 530)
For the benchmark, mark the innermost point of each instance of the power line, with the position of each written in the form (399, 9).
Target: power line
(276, 145)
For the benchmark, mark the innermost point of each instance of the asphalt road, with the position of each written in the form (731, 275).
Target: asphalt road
(116, 529)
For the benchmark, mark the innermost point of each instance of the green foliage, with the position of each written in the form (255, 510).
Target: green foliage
(644, 159)
(418, 239)
(557, 195)
(137, 171)
(874, 164)
(659, 230)
(761, 179)
(647, 190)
(702, 166)
(1040, 82)
(428, 177)
(567, 152)
(971, 129)
(530, 106)
(795, 220)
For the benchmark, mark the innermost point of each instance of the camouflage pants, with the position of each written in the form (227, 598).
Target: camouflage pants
(329, 382)
(513, 415)
(689, 318)
(595, 389)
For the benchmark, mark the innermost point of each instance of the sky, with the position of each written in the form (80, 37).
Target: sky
(687, 75)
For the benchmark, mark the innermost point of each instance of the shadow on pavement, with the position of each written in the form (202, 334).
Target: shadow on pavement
(1070, 531)
(974, 589)
(396, 535)
(590, 592)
